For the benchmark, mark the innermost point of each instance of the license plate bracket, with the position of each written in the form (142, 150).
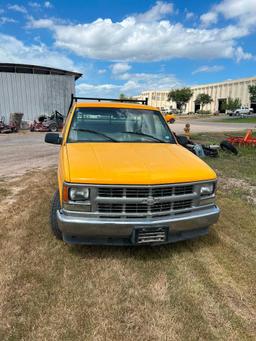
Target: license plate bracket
(150, 235)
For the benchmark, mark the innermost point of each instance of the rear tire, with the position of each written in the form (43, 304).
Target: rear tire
(55, 206)
(228, 147)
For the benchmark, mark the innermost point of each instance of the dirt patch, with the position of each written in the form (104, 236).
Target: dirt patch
(247, 190)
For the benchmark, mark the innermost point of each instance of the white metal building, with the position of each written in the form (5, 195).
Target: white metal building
(35, 90)
(219, 92)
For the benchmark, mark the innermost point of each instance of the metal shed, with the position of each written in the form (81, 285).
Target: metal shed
(35, 90)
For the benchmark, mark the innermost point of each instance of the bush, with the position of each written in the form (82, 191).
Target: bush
(204, 112)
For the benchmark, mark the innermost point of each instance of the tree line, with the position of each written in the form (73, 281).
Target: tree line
(182, 96)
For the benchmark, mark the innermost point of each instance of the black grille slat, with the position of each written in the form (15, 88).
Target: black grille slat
(161, 207)
(137, 192)
(162, 192)
(182, 190)
(110, 192)
(179, 205)
(112, 208)
(136, 208)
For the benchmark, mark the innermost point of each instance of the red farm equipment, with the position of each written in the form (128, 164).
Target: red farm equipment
(12, 127)
(247, 140)
(45, 123)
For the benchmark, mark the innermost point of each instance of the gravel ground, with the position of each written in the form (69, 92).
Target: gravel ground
(26, 151)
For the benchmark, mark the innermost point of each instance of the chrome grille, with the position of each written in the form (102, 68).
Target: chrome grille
(144, 208)
(143, 201)
(139, 192)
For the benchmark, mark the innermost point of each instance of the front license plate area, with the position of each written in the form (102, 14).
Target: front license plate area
(147, 235)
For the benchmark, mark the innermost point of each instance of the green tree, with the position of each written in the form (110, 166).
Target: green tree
(122, 96)
(203, 99)
(252, 92)
(180, 96)
(232, 104)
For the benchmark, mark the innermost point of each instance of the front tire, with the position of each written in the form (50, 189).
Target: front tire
(53, 128)
(55, 206)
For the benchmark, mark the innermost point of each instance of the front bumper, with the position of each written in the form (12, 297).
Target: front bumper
(82, 230)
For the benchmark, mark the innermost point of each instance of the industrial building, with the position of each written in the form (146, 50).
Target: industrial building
(35, 90)
(219, 92)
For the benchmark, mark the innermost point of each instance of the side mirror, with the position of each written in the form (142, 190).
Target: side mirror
(53, 138)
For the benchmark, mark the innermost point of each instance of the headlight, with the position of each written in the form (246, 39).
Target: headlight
(207, 189)
(79, 193)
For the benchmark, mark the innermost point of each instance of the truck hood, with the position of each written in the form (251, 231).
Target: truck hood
(134, 163)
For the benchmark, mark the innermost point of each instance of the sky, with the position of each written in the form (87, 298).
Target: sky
(132, 46)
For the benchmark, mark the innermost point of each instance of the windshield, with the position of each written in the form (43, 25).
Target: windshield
(119, 125)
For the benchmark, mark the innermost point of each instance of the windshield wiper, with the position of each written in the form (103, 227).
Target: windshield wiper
(96, 133)
(142, 134)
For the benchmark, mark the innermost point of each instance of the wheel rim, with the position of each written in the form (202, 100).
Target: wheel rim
(53, 129)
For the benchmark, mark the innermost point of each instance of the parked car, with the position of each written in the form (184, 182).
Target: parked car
(243, 110)
(127, 181)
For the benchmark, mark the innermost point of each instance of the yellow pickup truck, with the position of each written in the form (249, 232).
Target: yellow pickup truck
(123, 179)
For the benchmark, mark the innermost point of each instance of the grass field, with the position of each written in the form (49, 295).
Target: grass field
(238, 120)
(196, 290)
